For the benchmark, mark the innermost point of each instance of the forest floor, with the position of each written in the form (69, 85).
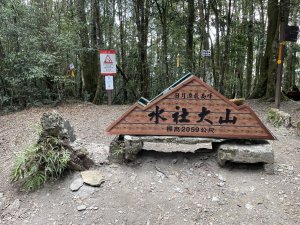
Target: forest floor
(188, 188)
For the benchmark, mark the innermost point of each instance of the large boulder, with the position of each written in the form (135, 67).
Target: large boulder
(61, 133)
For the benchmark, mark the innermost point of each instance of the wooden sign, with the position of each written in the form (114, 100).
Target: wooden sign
(191, 108)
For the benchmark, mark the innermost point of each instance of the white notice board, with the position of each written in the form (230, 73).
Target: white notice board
(109, 82)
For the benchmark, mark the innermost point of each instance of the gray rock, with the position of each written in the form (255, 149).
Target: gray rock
(249, 206)
(76, 184)
(69, 130)
(81, 207)
(215, 199)
(97, 152)
(92, 177)
(260, 151)
(1, 195)
(132, 148)
(52, 124)
(221, 184)
(86, 191)
(221, 178)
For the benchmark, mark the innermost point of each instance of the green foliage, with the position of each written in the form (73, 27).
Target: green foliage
(39, 39)
(40, 163)
(37, 51)
(278, 118)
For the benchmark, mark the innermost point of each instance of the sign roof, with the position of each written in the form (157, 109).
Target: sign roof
(191, 108)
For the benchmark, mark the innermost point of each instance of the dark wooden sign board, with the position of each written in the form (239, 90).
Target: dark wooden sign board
(191, 108)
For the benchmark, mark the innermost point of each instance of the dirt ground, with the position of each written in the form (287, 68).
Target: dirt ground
(159, 188)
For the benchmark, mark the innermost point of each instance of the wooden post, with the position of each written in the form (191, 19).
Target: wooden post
(109, 95)
(280, 64)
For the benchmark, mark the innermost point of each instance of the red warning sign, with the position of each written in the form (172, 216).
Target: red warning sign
(108, 62)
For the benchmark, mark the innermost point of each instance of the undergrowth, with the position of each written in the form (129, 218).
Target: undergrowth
(274, 118)
(40, 163)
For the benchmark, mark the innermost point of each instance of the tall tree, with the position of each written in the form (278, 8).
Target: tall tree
(250, 40)
(97, 43)
(216, 64)
(277, 13)
(260, 89)
(87, 55)
(163, 7)
(142, 9)
(190, 36)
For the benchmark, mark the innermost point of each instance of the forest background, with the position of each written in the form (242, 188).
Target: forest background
(157, 42)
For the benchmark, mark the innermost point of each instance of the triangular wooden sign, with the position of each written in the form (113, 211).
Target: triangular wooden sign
(191, 108)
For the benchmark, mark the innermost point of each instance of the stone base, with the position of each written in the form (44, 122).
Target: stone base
(126, 148)
(122, 149)
(246, 152)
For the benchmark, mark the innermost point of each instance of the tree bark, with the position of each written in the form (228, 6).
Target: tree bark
(87, 57)
(214, 6)
(225, 62)
(250, 38)
(163, 15)
(122, 49)
(283, 20)
(97, 43)
(142, 22)
(260, 89)
(190, 37)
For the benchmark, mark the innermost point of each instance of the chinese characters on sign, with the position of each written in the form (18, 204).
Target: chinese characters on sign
(181, 116)
(196, 95)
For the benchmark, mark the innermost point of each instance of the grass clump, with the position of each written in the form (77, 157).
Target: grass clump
(278, 118)
(46, 160)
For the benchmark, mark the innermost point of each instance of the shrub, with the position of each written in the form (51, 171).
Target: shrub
(40, 163)
(278, 118)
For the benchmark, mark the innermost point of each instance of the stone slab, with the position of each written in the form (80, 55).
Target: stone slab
(171, 139)
(92, 177)
(245, 152)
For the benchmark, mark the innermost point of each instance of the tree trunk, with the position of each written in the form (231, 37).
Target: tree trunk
(290, 72)
(142, 22)
(87, 57)
(250, 38)
(225, 62)
(190, 37)
(260, 88)
(97, 43)
(216, 65)
(204, 35)
(163, 15)
(291, 60)
(282, 19)
(122, 49)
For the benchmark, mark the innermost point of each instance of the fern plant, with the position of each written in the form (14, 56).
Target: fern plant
(40, 163)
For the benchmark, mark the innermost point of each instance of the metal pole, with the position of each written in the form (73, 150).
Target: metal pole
(280, 64)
